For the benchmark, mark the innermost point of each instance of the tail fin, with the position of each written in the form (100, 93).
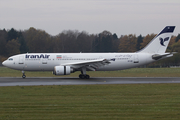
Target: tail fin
(160, 42)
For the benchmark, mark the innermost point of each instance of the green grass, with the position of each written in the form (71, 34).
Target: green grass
(134, 72)
(91, 102)
(97, 102)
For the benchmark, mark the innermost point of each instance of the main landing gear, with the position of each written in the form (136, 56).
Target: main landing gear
(83, 74)
(23, 76)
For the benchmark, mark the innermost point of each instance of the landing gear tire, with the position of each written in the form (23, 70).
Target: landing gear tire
(84, 76)
(23, 76)
(87, 76)
(81, 76)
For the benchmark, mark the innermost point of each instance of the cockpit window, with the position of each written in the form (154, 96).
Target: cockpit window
(10, 59)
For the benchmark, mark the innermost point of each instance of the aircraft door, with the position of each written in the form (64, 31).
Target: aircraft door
(21, 60)
(136, 58)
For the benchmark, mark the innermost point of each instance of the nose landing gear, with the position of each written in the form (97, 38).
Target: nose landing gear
(23, 76)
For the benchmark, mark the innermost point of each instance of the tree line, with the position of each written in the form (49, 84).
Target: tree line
(72, 41)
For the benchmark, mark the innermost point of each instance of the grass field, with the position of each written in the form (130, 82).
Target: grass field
(134, 72)
(91, 102)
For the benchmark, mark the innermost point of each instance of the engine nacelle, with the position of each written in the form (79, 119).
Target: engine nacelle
(62, 70)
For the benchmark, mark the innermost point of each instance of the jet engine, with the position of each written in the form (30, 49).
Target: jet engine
(62, 70)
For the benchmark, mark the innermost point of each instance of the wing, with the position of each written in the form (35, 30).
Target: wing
(91, 65)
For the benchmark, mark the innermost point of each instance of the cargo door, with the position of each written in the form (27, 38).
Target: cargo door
(136, 59)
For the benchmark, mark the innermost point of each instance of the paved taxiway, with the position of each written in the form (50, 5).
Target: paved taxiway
(4, 81)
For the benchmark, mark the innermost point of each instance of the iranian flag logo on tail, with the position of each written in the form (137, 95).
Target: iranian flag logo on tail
(58, 56)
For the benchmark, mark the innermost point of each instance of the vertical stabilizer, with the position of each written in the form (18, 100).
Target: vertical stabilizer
(160, 42)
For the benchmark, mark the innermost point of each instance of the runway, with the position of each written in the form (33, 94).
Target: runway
(7, 81)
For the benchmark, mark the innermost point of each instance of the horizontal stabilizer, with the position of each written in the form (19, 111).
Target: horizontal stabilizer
(157, 56)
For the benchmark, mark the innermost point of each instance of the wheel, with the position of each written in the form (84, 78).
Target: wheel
(87, 77)
(23, 76)
(84, 76)
(81, 76)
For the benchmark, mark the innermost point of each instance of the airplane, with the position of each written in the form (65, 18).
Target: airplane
(67, 63)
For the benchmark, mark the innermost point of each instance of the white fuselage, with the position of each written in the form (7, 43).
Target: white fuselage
(47, 61)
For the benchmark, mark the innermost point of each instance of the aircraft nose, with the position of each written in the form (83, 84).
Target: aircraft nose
(4, 63)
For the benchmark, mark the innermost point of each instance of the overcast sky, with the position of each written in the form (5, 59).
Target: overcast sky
(93, 16)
